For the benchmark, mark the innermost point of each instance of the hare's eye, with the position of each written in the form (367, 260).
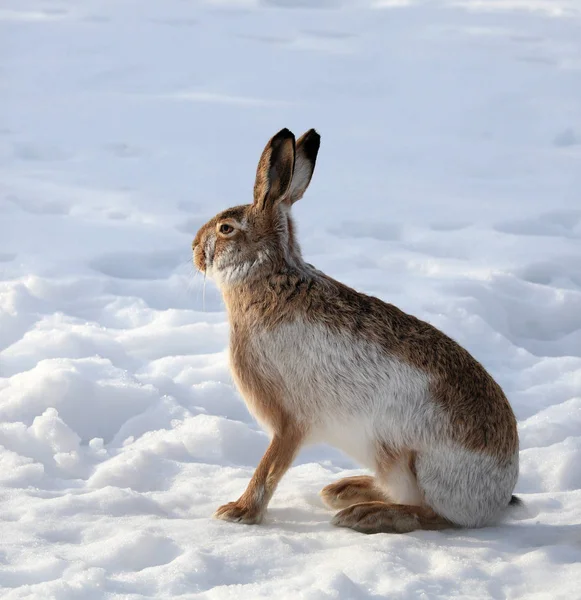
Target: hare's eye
(226, 229)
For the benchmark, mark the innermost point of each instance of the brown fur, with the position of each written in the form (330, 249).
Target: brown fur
(480, 416)
(281, 288)
(262, 392)
(250, 507)
(389, 459)
(352, 490)
(381, 517)
(275, 169)
(262, 395)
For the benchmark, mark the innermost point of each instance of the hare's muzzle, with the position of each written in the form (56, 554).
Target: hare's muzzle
(199, 258)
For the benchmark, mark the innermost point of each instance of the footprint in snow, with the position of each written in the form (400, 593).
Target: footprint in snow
(265, 39)
(39, 206)
(302, 4)
(135, 265)
(562, 223)
(567, 137)
(562, 272)
(123, 150)
(174, 21)
(449, 226)
(38, 153)
(384, 232)
(543, 320)
(538, 60)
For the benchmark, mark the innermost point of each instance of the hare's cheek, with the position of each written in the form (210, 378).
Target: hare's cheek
(210, 251)
(225, 252)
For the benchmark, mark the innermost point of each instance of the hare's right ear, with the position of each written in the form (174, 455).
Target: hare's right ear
(275, 170)
(305, 159)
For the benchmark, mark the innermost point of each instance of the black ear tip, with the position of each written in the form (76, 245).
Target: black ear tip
(284, 134)
(310, 143)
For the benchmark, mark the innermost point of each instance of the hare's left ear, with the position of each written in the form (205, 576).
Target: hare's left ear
(305, 158)
(275, 170)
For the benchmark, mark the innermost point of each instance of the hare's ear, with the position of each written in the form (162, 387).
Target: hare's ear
(305, 159)
(275, 170)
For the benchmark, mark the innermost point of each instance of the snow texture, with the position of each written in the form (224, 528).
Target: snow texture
(448, 183)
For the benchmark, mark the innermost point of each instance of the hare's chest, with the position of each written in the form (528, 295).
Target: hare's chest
(292, 366)
(255, 367)
(315, 370)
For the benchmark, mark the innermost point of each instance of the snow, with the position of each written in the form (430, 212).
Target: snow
(449, 183)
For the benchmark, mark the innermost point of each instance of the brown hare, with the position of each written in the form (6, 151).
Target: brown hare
(317, 361)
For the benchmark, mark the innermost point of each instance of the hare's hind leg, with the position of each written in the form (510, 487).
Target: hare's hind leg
(396, 475)
(352, 490)
(400, 507)
(469, 488)
(381, 517)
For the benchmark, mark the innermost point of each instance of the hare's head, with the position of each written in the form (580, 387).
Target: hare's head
(249, 241)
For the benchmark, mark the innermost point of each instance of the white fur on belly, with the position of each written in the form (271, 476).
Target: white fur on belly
(347, 391)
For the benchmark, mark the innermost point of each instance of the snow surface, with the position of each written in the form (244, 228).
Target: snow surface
(449, 183)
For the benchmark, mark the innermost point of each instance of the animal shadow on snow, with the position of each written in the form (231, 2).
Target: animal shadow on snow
(506, 537)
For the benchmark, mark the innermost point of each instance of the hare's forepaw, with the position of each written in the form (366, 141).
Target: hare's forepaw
(236, 512)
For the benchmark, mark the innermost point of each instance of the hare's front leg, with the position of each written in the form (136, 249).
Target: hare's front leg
(251, 506)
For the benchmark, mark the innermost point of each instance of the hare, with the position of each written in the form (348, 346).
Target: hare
(317, 361)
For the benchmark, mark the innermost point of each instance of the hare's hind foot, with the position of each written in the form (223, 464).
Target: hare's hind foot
(352, 490)
(381, 517)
